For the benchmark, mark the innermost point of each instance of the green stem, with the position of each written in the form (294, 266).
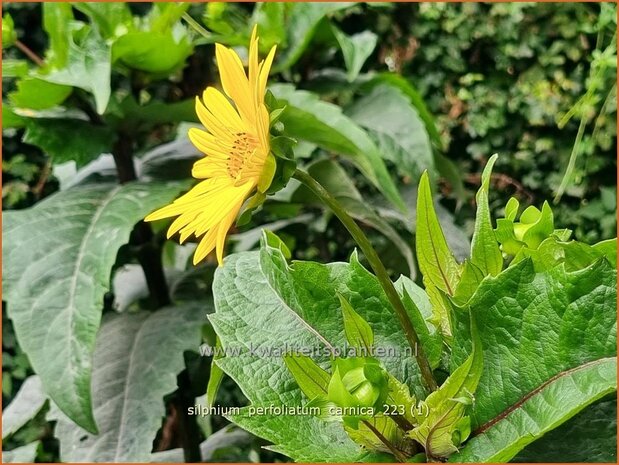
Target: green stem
(196, 26)
(380, 271)
(567, 177)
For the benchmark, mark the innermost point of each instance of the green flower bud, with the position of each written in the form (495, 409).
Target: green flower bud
(534, 226)
(358, 382)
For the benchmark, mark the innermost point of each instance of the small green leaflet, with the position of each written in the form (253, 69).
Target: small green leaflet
(446, 407)
(441, 272)
(485, 252)
(312, 379)
(358, 332)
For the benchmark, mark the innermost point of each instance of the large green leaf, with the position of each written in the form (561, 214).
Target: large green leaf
(23, 454)
(88, 67)
(308, 118)
(356, 50)
(301, 23)
(57, 18)
(392, 121)
(36, 94)
(535, 327)
(28, 401)
(415, 98)
(542, 410)
(265, 304)
(69, 139)
(108, 17)
(56, 269)
(211, 449)
(152, 51)
(248, 312)
(590, 436)
(129, 382)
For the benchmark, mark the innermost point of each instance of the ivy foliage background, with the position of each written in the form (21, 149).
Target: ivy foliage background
(97, 99)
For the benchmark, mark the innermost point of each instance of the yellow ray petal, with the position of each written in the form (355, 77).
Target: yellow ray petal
(253, 62)
(222, 232)
(234, 80)
(209, 169)
(263, 128)
(210, 122)
(219, 105)
(219, 206)
(206, 245)
(265, 68)
(208, 144)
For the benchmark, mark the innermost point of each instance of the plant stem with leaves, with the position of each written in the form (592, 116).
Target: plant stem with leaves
(380, 271)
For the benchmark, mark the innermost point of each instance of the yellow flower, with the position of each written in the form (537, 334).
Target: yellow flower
(237, 148)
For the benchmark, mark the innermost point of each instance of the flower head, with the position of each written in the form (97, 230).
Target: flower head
(236, 145)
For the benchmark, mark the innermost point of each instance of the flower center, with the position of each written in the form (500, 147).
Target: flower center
(243, 158)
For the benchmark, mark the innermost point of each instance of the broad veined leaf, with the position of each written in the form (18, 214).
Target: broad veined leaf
(445, 166)
(271, 20)
(608, 249)
(128, 285)
(135, 363)
(56, 269)
(301, 23)
(394, 124)
(172, 160)
(534, 326)
(56, 23)
(88, 67)
(154, 52)
(308, 118)
(111, 18)
(249, 314)
(590, 436)
(263, 308)
(12, 68)
(227, 437)
(573, 254)
(415, 98)
(311, 290)
(28, 401)
(69, 139)
(36, 94)
(10, 119)
(485, 251)
(23, 454)
(551, 404)
(446, 425)
(441, 271)
(356, 50)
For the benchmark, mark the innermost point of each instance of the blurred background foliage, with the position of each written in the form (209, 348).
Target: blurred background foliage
(436, 86)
